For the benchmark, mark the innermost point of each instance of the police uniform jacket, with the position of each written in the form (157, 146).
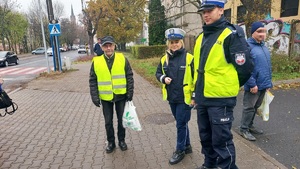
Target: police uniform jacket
(233, 44)
(117, 97)
(175, 69)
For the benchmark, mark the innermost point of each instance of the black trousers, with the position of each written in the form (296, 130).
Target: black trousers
(108, 113)
(214, 124)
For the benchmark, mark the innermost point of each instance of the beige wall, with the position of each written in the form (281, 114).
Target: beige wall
(190, 21)
(275, 11)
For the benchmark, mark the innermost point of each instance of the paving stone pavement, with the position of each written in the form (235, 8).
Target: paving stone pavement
(57, 126)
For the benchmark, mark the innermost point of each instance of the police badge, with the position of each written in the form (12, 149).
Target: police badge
(240, 58)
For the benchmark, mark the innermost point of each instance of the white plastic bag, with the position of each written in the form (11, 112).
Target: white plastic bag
(263, 109)
(130, 118)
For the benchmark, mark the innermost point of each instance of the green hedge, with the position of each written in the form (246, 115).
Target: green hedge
(142, 52)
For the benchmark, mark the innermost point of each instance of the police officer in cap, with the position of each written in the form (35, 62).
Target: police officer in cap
(175, 72)
(222, 65)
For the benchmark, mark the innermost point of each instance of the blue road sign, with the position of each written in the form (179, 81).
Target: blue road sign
(54, 29)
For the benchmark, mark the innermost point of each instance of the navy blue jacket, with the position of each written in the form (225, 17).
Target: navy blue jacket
(98, 50)
(262, 73)
(175, 70)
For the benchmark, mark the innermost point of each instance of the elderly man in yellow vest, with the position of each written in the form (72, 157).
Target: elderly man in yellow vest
(111, 83)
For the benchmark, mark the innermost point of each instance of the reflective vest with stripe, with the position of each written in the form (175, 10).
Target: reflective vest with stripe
(187, 80)
(110, 82)
(220, 77)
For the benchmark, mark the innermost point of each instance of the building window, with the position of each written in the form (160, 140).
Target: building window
(227, 14)
(241, 12)
(289, 8)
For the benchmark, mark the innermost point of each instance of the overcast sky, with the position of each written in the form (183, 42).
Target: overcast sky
(24, 4)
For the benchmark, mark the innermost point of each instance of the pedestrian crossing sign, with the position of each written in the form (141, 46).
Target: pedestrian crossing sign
(54, 29)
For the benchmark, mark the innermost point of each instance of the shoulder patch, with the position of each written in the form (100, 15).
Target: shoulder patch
(240, 58)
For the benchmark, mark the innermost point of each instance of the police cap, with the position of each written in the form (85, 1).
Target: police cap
(210, 4)
(174, 33)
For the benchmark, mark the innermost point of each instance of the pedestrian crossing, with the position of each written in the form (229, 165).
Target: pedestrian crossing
(22, 70)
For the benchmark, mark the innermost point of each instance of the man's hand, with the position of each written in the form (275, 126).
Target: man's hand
(97, 103)
(254, 90)
(129, 97)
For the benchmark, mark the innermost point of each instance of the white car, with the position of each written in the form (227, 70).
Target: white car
(49, 52)
(81, 49)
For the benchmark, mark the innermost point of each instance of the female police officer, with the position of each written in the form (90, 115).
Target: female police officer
(175, 73)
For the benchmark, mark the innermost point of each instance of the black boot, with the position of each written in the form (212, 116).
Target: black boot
(188, 149)
(110, 147)
(178, 155)
(123, 145)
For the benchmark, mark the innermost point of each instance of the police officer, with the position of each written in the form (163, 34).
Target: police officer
(111, 84)
(222, 64)
(175, 72)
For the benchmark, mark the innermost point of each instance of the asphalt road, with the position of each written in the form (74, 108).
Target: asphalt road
(30, 66)
(281, 138)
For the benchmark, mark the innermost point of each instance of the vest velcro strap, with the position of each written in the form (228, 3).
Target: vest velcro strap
(105, 92)
(118, 76)
(119, 86)
(200, 71)
(104, 83)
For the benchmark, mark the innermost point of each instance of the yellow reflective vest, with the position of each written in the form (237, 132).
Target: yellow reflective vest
(110, 82)
(187, 80)
(220, 77)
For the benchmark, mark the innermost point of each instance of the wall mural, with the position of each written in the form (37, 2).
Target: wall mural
(278, 35)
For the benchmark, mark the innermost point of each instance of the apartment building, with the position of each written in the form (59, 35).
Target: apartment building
(183, 14)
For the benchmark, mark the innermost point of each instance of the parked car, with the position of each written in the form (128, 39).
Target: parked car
(81, 49)
(49, 52)
(62, 49)
(8, 57)
(40, 50)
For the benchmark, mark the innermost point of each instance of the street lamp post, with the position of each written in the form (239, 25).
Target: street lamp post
(44, 41)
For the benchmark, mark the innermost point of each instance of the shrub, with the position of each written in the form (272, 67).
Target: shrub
(143, 52)
(284, 64)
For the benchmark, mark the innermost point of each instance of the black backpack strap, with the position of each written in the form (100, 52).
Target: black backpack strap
(14, 108)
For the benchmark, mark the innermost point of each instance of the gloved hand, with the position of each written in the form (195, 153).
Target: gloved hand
(96, 103)
(129, 97)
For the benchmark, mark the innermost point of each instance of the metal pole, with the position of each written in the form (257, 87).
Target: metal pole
(44, 41)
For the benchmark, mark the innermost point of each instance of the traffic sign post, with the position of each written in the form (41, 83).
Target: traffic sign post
(55, 31)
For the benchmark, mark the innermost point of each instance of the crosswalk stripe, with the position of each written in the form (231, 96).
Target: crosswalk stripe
(8, 70)
(42, 69)
(22, 70)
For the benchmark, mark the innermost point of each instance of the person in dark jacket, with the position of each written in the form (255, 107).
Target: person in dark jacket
(222, 64)
(259, 82)
(97, 48)
(1, 82)
(111, 83)
(175, 72)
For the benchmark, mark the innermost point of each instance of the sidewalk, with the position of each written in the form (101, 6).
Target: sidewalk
(57, 126)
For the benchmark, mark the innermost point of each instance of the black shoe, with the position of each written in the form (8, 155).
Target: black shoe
(247, 135)
(255, 130)
(178, 155)
(123, 145)
(110, 147)
(188, 149)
